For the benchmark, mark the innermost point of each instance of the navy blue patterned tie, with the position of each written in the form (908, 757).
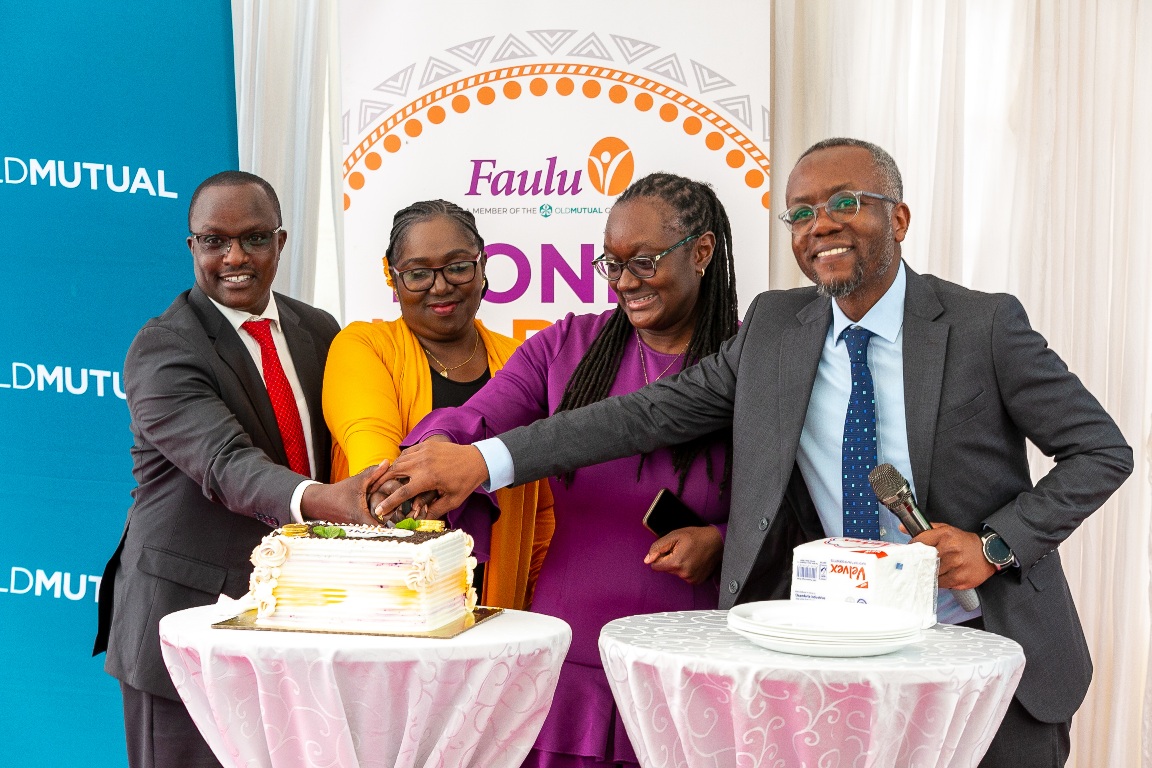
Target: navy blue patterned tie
(861, 513)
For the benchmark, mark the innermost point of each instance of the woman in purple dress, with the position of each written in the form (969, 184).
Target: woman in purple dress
(667, 254)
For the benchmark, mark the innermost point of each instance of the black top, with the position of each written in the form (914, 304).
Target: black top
(452, 394)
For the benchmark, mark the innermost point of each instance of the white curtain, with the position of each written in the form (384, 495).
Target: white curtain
(281, 52)
(1024, 131)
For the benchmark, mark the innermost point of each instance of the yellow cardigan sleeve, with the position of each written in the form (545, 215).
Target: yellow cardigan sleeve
(370, 393)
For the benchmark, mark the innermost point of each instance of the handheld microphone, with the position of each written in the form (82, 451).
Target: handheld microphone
(895, 494)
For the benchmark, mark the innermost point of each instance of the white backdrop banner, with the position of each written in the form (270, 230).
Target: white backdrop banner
(535, 117)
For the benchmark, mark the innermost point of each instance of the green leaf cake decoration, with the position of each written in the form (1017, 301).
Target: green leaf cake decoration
(329, 531)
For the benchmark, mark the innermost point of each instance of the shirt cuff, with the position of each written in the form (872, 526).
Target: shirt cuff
(501, 473)
(297, 495)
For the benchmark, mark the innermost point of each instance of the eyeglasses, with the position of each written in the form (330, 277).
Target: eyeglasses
(212, 244)
(423, 278)
(642, 267)
(842, 207)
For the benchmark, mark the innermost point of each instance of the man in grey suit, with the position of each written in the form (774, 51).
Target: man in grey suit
(961, 382)
(228, 436)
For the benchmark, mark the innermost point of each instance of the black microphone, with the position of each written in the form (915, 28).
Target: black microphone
(894, 493)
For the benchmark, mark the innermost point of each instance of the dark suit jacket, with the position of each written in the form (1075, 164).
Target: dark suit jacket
(978, 382)
(211, 472)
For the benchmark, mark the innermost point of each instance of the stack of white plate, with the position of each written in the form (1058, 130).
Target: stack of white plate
(820, 628)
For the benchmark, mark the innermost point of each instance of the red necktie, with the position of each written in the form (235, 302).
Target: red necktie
(283, 401)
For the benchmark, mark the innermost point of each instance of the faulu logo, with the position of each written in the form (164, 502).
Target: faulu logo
(610, 166)
(544, 181)
(610, 169)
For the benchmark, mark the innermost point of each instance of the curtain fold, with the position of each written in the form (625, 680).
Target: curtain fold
(1022, 130)
(281, 52)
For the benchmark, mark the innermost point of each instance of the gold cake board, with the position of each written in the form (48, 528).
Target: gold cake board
(478, 615)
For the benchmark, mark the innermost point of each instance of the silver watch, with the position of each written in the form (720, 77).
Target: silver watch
(996, 551)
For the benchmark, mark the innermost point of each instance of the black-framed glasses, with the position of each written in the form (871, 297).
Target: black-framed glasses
(642, 267)
(423, 278)
(842, 207)
(214, 244)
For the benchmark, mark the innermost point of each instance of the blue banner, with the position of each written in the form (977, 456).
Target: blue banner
(110, 114)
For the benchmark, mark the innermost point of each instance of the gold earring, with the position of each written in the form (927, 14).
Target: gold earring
(702, 270)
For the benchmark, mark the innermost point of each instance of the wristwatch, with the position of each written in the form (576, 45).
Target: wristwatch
(996, 551)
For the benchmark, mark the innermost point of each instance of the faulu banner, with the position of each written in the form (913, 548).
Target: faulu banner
(535, 117)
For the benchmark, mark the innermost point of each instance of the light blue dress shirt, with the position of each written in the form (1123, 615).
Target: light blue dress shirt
(501, 471)
(821, 441)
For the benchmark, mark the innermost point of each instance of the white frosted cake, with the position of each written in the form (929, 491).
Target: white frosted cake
(863, 571)
(362, 578)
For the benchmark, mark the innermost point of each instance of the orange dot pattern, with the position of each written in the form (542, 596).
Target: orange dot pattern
(592, 82)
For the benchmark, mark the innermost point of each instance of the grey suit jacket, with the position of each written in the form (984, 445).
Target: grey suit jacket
(211, 472)
(978, 383)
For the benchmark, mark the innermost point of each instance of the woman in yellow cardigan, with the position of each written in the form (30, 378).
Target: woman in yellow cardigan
(381, 378)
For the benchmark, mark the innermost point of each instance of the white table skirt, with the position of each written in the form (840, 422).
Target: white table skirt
(693, 693)
(288, 699)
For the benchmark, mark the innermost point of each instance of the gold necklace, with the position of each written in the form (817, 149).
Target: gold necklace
(644, 362)
(444, 370)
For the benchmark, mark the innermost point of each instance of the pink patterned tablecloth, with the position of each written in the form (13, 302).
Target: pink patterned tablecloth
(693, 693)
(288, 699)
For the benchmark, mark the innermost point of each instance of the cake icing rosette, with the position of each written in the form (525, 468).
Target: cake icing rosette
(422, 571)
(267, 559)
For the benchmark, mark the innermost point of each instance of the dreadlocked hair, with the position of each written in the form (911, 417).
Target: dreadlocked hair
(696, 210)
(423, 211)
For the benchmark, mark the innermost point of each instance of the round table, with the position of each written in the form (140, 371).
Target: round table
(284, 699)
(693, 693)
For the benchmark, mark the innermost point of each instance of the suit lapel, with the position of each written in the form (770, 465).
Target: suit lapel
(309, 370)
(235, 355)
(925, 348)
(800, 350)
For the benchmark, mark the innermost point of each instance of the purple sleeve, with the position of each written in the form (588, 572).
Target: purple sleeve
(524, 390)
(476, 516)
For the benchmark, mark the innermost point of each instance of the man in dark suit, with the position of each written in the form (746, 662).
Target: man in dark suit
(960, 383)
(228, 436)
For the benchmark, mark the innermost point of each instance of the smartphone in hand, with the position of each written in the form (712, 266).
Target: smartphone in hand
(668, 513)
